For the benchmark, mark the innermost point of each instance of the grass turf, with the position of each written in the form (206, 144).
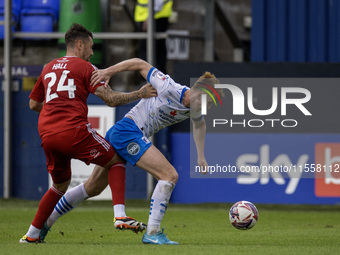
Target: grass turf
(200, 229)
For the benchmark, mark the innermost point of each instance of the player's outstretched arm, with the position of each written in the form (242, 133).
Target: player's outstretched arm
(134, 64)
(115, 98)
(199, 130)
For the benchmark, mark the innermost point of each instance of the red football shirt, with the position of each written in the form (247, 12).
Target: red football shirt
(63, 86)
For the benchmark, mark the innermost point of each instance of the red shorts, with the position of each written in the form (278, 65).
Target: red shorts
(82, 143)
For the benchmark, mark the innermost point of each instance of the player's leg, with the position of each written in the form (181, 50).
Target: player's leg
(117, 185)
(131, 144)
(58, 166)
(116, 178)
(89, 141)
(154, 162)
(46, 206)
(96, 183)
(117, 138)
(117, 181)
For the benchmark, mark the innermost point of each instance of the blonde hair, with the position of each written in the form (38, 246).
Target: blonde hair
(208, 79)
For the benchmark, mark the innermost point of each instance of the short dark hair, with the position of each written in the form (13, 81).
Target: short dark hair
(76, 32)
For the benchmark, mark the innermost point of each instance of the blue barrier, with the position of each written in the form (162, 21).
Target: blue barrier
(28, 171)
(252, 149)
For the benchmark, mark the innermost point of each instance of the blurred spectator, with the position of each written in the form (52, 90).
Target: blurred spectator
(163, 10)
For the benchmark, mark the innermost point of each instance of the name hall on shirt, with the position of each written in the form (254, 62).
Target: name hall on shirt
(59, 66)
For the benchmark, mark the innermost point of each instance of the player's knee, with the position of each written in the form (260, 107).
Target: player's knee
(173, 177)
(62, 187)
(95, 192)
(94, 189)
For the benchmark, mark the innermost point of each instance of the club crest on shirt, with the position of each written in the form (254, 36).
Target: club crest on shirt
(133, 148)
(160, 76)
(94, 153)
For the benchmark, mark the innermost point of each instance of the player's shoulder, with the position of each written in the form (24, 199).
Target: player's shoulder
(77, 66)
(66, 61)
(82, 65)
(94, 67)
(81, 61)
(160, 76)
(157, 75)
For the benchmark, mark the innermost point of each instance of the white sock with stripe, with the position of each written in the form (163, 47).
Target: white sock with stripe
(159, 203)
(69, 201)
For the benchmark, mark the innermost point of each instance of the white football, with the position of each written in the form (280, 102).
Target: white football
(243, 215)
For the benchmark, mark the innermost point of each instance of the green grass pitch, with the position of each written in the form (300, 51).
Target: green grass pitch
(200, 229)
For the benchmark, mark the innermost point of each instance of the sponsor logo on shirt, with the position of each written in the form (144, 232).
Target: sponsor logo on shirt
(167, 117)
(62, 60)
(173, 113)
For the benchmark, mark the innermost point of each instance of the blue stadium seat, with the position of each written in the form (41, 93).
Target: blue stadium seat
(2, 28)
(42, 12)
(37, 22)
(48, 6)
(16, 7)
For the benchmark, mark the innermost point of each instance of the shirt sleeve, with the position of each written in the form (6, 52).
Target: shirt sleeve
(38, 91)
(89, 70)
(157, 79)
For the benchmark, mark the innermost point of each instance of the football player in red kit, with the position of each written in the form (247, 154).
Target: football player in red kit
(60, 96)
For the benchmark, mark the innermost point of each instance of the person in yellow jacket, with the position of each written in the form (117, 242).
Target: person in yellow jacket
(162, 13)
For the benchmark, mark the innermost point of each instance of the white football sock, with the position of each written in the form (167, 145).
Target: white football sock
(159, 203)
(119, 210)
(33, 232)
(69, 201)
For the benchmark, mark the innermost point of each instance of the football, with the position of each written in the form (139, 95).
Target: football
(243, 215)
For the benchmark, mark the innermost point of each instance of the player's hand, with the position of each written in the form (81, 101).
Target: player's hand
(147, 91)
(202, 163)
(99, 76)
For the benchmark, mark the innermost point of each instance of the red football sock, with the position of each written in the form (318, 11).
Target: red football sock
(117, 183)
(46, 206)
